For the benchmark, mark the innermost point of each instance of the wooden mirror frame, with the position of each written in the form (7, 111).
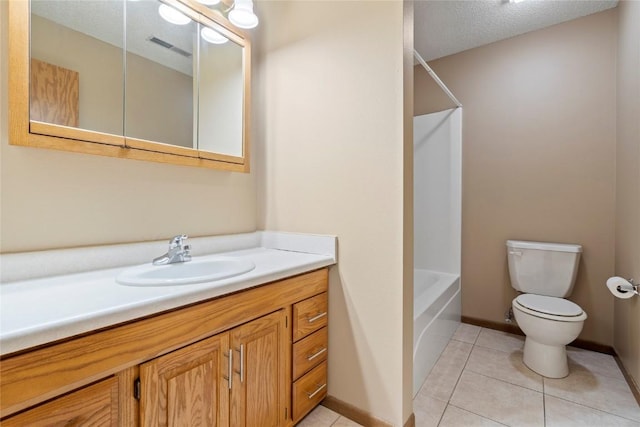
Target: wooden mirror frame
(26, 132)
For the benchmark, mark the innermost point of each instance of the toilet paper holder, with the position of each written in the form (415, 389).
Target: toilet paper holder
(630, 287)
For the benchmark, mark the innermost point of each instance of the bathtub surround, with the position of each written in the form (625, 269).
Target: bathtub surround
(437, 173)
(335, 149)
(627, 312)
(538, 159)
(436, 316)
(437, 169)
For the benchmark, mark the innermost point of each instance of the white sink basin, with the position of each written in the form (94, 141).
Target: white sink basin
(185, 273)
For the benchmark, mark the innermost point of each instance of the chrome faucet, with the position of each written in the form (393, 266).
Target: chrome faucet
(178, 252)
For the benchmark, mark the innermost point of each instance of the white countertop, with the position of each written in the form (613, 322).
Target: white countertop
(42, 310)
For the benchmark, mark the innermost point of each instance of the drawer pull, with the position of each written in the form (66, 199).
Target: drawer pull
(318, 390)
(316, 317)
(313, 356)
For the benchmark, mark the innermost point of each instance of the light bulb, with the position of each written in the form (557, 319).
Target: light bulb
(242, 14)
(171, 15)
(212, 36)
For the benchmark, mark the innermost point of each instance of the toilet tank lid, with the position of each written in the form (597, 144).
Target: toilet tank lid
(543, 246)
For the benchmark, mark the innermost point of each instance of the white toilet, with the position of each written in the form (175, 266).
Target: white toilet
(545, 273)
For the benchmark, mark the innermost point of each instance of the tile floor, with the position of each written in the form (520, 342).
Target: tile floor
(480, 380)
(323, 417)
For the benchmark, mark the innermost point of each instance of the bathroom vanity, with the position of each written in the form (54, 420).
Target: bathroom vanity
(254, 355)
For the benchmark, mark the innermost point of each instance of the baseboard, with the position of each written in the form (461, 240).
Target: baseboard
(593, 346)
(356, 414)
(514, 329)
(489, 324)
(632, 384)
(411, 422)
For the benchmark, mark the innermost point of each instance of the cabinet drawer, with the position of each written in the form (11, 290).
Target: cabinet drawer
(309, 390)
(309, 316)
(94, 405)
(309, 352)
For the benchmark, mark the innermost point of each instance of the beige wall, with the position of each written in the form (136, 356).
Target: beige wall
(627, 312)
(539, 133)
(53, 199)
(331, 143)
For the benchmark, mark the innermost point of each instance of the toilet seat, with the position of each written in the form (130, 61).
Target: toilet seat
(558, 309)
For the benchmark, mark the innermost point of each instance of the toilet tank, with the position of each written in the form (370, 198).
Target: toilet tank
(543, 268)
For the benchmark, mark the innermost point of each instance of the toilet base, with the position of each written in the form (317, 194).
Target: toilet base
(547, 360)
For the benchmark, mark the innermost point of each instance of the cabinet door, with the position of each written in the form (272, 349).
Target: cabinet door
(259, 396)
(95, 405)
(187, 387)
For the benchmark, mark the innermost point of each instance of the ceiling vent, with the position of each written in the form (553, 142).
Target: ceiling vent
(167, 45)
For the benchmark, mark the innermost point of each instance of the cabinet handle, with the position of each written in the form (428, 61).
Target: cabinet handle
(229, 377)
(316, 317)
(241, 351)
(313, 356)
(318, 390)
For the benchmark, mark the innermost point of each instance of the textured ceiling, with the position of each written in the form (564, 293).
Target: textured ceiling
(445, 27)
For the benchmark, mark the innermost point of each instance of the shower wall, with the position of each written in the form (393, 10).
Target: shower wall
(437, 190)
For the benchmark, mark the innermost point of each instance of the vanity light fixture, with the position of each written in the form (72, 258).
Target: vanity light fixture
(212, 36)
(515, 1)
(170, 14)
(242, 15)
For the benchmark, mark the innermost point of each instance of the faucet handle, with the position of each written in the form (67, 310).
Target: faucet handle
(177, 240)
(186, 253)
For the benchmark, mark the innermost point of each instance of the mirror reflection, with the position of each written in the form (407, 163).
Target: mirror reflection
(221, 82)
(177, 83)
(76, 64)
(159, 75)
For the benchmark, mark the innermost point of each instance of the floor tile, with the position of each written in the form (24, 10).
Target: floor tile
(428, 410)
(591, 361)
(445, 373)
(561, 413)
(607, 394)
(319, 417)
(467, 333)
(498, 340)
(503, 366)
(456, 417)
(480, 379)
(345, 422)
(499, 401)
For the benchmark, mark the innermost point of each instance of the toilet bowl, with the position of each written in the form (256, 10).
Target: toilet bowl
(549, 323)
(545, 273)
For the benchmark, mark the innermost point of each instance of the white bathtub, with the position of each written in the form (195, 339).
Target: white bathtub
(436, 316)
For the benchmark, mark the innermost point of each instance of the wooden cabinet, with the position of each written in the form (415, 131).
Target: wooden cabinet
(187, 387)
(259, 392)
(236, 378)
(95, 405)
(309, 391)
(309, 354)
(222, 362)
(309, 316)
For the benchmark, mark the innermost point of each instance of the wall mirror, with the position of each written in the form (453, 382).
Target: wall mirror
(164, 81)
